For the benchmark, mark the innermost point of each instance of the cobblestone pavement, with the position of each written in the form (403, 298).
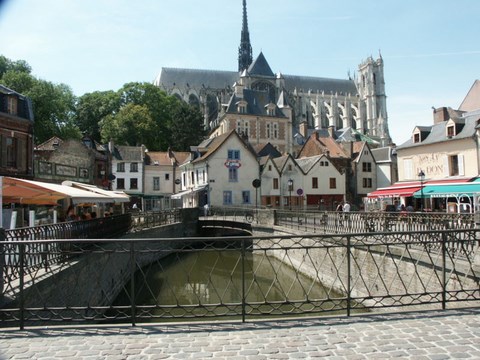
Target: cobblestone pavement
(434, 335)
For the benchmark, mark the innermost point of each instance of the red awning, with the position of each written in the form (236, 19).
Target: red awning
(394, 191)
(406, 189)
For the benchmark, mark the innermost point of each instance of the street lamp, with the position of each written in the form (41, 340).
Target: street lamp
(290, 188)
(421, 175)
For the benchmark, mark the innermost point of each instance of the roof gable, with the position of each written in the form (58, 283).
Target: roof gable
(260, 67)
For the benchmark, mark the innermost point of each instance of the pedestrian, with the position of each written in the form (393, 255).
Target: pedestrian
(346, 207)
(339, 207)
(205, 209)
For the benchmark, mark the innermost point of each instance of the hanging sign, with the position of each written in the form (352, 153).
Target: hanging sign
(232, 164)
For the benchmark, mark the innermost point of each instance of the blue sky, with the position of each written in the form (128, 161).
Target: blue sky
(430, 48)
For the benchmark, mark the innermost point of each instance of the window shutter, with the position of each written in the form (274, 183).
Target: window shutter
(446, 170)
(461, 168)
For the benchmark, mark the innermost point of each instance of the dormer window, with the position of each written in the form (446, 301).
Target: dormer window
(416, 138)
(450, 131)
(242, 107)
(270, 108)
(12, 103)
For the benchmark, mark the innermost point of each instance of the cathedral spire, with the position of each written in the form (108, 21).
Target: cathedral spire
(245, 48)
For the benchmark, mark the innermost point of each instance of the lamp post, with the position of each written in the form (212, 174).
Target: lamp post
(421, 176)
(290, 188)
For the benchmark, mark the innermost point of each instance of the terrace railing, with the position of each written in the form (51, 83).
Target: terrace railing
(108, 281)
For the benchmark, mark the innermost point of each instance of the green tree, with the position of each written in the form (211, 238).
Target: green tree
(132, 125)
(92, 108)
(187, 128)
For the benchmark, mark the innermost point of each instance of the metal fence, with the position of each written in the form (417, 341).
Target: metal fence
(157, 280)
(151, 219)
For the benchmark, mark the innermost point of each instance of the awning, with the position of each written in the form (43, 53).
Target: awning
(407, 189)
(186, 192)
(21, 191)
(449, 190)
(115, 196)
(397, 190)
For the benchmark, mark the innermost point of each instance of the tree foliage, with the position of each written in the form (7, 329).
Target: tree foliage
(53, 104)
(138, 113)
(92, 108)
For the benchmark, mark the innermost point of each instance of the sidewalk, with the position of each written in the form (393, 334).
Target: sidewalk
(433, 335)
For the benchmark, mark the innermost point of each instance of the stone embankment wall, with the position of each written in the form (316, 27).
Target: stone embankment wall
(101, 273)
(377, 271)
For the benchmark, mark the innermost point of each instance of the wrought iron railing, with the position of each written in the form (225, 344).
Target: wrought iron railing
(151, 219)
(156, 280)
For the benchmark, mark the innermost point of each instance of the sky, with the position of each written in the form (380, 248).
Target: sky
(430, 48)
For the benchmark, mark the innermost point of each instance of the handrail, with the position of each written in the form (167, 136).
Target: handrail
(361, 272)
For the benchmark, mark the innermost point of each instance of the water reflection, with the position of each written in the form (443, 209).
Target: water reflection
(209, 283)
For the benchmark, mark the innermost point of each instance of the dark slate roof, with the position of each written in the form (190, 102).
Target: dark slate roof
(438, 132)
(216, 79)
(129, 153)
(256, 102)
(329, 86)
(382, 155)
(260, 67)
(24, 107)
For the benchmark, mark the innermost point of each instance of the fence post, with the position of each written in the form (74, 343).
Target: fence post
(2, 258)
(132, 282)
(22, 283)
(243, 281)
(444, 270)
(349, 290)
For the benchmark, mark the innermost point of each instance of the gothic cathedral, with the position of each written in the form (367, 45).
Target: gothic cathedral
(282, 109)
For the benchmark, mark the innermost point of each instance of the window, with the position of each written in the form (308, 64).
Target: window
(289, 167)
(314, 183)
(416, 138)
(333, 183)
(408, 168)
(11, 153)
(232, 174)
(84, 173)
(121, 167)
(455, 165)
(227, 198)
(275, 183)
(134, 167)
(233, 155)
(167, 177)
(12, 105)
(246, 197)
(275, 131)
(269, 167)
(367, 182)
(268, 131)
(367, 167)
(156, 183)
(450, 131)
(120, 183)
(133, 184)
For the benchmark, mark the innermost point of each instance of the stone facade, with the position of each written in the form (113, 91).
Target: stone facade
(321, 103)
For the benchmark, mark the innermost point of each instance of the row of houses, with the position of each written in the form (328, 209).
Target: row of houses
(330, 166)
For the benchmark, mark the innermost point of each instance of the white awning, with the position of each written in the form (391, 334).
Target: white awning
(186, 192)
(23, 191)
(115, 196)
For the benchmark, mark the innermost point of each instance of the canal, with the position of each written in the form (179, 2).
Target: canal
(218, 283)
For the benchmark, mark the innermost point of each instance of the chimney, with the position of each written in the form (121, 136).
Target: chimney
(331, 131)
(303, 128)
(440, 115)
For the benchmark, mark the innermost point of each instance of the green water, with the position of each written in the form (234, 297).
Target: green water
(210, 284)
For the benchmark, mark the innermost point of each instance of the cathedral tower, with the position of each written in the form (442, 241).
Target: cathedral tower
(245, 49)
(373, 100)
